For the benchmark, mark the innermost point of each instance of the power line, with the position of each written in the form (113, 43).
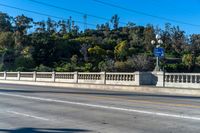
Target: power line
(43, 14)
(74, 11)
(145, 14)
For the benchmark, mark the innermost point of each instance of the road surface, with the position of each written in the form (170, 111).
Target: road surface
(29, 109)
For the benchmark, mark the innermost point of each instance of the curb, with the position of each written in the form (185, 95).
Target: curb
(138, 89)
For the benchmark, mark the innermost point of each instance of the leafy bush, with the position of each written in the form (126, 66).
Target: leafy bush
(24, 63)
(122, 66)
(43, 68)
(107, 65)
(68, 67)
(87, 67)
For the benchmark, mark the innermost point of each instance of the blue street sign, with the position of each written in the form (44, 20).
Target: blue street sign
(159, 52)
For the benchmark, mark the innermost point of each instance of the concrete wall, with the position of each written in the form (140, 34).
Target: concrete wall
(148, 78)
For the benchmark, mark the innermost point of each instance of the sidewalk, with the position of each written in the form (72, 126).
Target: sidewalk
(139, 89)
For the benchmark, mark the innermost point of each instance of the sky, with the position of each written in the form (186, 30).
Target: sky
(186, 11)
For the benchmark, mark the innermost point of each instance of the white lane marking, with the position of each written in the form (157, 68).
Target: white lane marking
(27, 115)
(106, 107)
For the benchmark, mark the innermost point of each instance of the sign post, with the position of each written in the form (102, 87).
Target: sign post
(158, 53)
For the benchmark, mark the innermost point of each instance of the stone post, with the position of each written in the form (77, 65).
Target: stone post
(76, 77)
(137, 78)
(35, 76)
(160, 78)
(4, 75)
(103, 77)
(18, 75)
(53, 76)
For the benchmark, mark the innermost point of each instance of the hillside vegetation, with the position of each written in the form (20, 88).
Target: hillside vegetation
(26, 45)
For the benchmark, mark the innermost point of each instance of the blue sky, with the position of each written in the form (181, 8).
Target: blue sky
(182, 10)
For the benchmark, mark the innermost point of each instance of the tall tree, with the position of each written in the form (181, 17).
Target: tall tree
(40, 27)
(63, 27)
(149, 35)
(51, 26)
(115, 21)
(22, 25)
(69, 24)
(5, 22)
(178, 39)
(195, 44)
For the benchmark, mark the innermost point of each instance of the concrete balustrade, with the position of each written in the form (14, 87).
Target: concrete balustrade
(160, 79)
(183, 80)
(75, 77)
(122, 78)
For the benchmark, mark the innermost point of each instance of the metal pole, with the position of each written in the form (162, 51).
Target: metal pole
(157, 64)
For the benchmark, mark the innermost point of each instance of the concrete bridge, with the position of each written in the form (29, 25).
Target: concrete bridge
(160, 82)
(99, 102)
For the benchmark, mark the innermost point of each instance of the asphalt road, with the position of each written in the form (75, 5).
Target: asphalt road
(29, 109)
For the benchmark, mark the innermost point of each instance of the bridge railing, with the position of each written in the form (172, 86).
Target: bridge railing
(188, 80)
(75, 77)
(160, 79)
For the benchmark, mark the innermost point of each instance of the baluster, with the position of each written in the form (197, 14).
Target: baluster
(126, 79)
(115, 77)
(121, 77)
(197, 79)
(171, 80)
(193, 78)
(189, 78)
(178, 78)
(174, 78)
(130, 77)
(186, 78)
(167, 76)
(181, 79)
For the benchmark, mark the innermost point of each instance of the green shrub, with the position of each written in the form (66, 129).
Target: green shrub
(24, 62)
(43, 68)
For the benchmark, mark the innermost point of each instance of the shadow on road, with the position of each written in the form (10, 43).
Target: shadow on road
(43, 130)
